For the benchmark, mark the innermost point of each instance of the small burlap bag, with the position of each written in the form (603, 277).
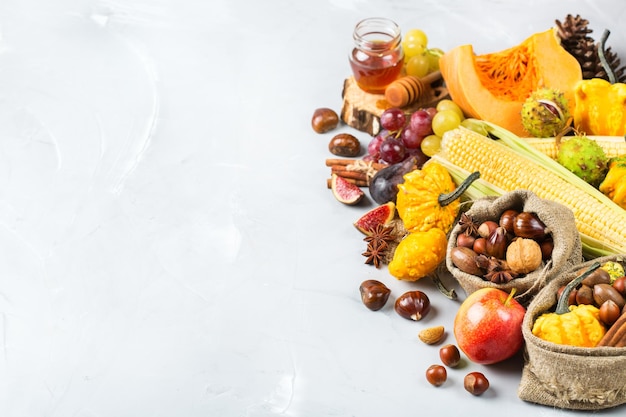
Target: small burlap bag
(559, 219)
(569, 377)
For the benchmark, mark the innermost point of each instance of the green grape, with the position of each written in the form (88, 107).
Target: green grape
(445, 120)
(416, 36)
(412, 49)
(433, 61)
(471, 124)
(430, 145)
(417, 66)
(446, 104)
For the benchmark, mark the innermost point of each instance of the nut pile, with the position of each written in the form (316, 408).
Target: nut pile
(604, 288)
(500, 250)
(415, 305)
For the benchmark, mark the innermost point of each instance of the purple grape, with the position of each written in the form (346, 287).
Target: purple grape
(419, 156)
(392, 150)
(393, 119)
(373, 148)
(432, 111)
(410, 139)
(421, 123)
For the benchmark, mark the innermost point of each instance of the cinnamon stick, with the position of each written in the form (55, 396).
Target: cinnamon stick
(608, 337)
(358, 183)
(349, 174)
(330, 162)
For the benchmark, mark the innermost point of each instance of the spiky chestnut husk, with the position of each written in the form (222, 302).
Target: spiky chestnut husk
(545, 113)
(584, 157)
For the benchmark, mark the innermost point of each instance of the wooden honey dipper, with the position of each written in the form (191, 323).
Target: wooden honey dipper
(408, 89)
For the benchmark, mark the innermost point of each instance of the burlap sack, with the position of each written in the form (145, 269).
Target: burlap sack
(569, 377)
(560, 219)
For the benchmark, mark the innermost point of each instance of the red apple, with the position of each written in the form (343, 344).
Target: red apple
(488, 326)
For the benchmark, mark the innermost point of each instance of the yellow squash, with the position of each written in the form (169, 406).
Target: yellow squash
(418, 254)
(428, 198)
(600, 107)
(576, 325)
(614, 183)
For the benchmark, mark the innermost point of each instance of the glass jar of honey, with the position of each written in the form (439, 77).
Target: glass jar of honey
(377, 57)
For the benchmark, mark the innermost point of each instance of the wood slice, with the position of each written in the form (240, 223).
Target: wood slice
(362, 110)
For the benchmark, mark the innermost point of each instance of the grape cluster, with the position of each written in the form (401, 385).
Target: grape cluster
(419, 59)
(416, 135)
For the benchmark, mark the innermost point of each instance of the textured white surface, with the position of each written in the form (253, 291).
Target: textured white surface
(169, 246)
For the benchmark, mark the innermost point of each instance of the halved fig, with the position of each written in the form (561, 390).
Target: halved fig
(345, 191)
(382, 214)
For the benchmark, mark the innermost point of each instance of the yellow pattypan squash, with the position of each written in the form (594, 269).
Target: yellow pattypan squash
(418, 254)
(614, 183)
(576, 325)
(600, 107)
(429, 198)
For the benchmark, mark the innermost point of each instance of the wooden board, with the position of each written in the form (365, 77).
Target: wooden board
(362, 110)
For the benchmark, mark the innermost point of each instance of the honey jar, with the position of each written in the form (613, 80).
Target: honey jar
(377, 58)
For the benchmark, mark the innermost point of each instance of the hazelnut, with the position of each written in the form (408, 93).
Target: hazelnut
(324, 119)
(450, 355)
(475, 383)
(486, 228)
(374, 294)
(412, 305)
(431, 335)
(436, 375)
(620, 285)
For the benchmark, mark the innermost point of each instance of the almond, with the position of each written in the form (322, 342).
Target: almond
(431, 335)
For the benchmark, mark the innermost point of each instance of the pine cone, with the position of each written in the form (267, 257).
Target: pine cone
(575, 39)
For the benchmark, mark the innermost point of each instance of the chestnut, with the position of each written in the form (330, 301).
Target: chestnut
(529, 225)
(344, 144)
(476, 383)
(609, 312)
(507, 220)
(324, 119)
(412, 305)
(496, 243)
(374, 294)
(584, 295)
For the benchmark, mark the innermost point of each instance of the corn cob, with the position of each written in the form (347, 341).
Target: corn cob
(612, 145)
(514, 164)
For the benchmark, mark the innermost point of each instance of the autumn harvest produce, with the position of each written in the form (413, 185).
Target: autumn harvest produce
(510, 163)
(486, 86)
(568, 337)
(487, 326)
(505, 172)
(547, 244)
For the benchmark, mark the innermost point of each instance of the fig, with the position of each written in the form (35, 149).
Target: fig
(345, 191)
(384, 185)
(382, 214)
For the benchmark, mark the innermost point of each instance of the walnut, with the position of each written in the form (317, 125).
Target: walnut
(523, 255)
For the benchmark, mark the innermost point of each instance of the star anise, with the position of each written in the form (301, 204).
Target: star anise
(468, 225)
(380, 233)
(499, 277)
(498, 270)
(375, 252)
